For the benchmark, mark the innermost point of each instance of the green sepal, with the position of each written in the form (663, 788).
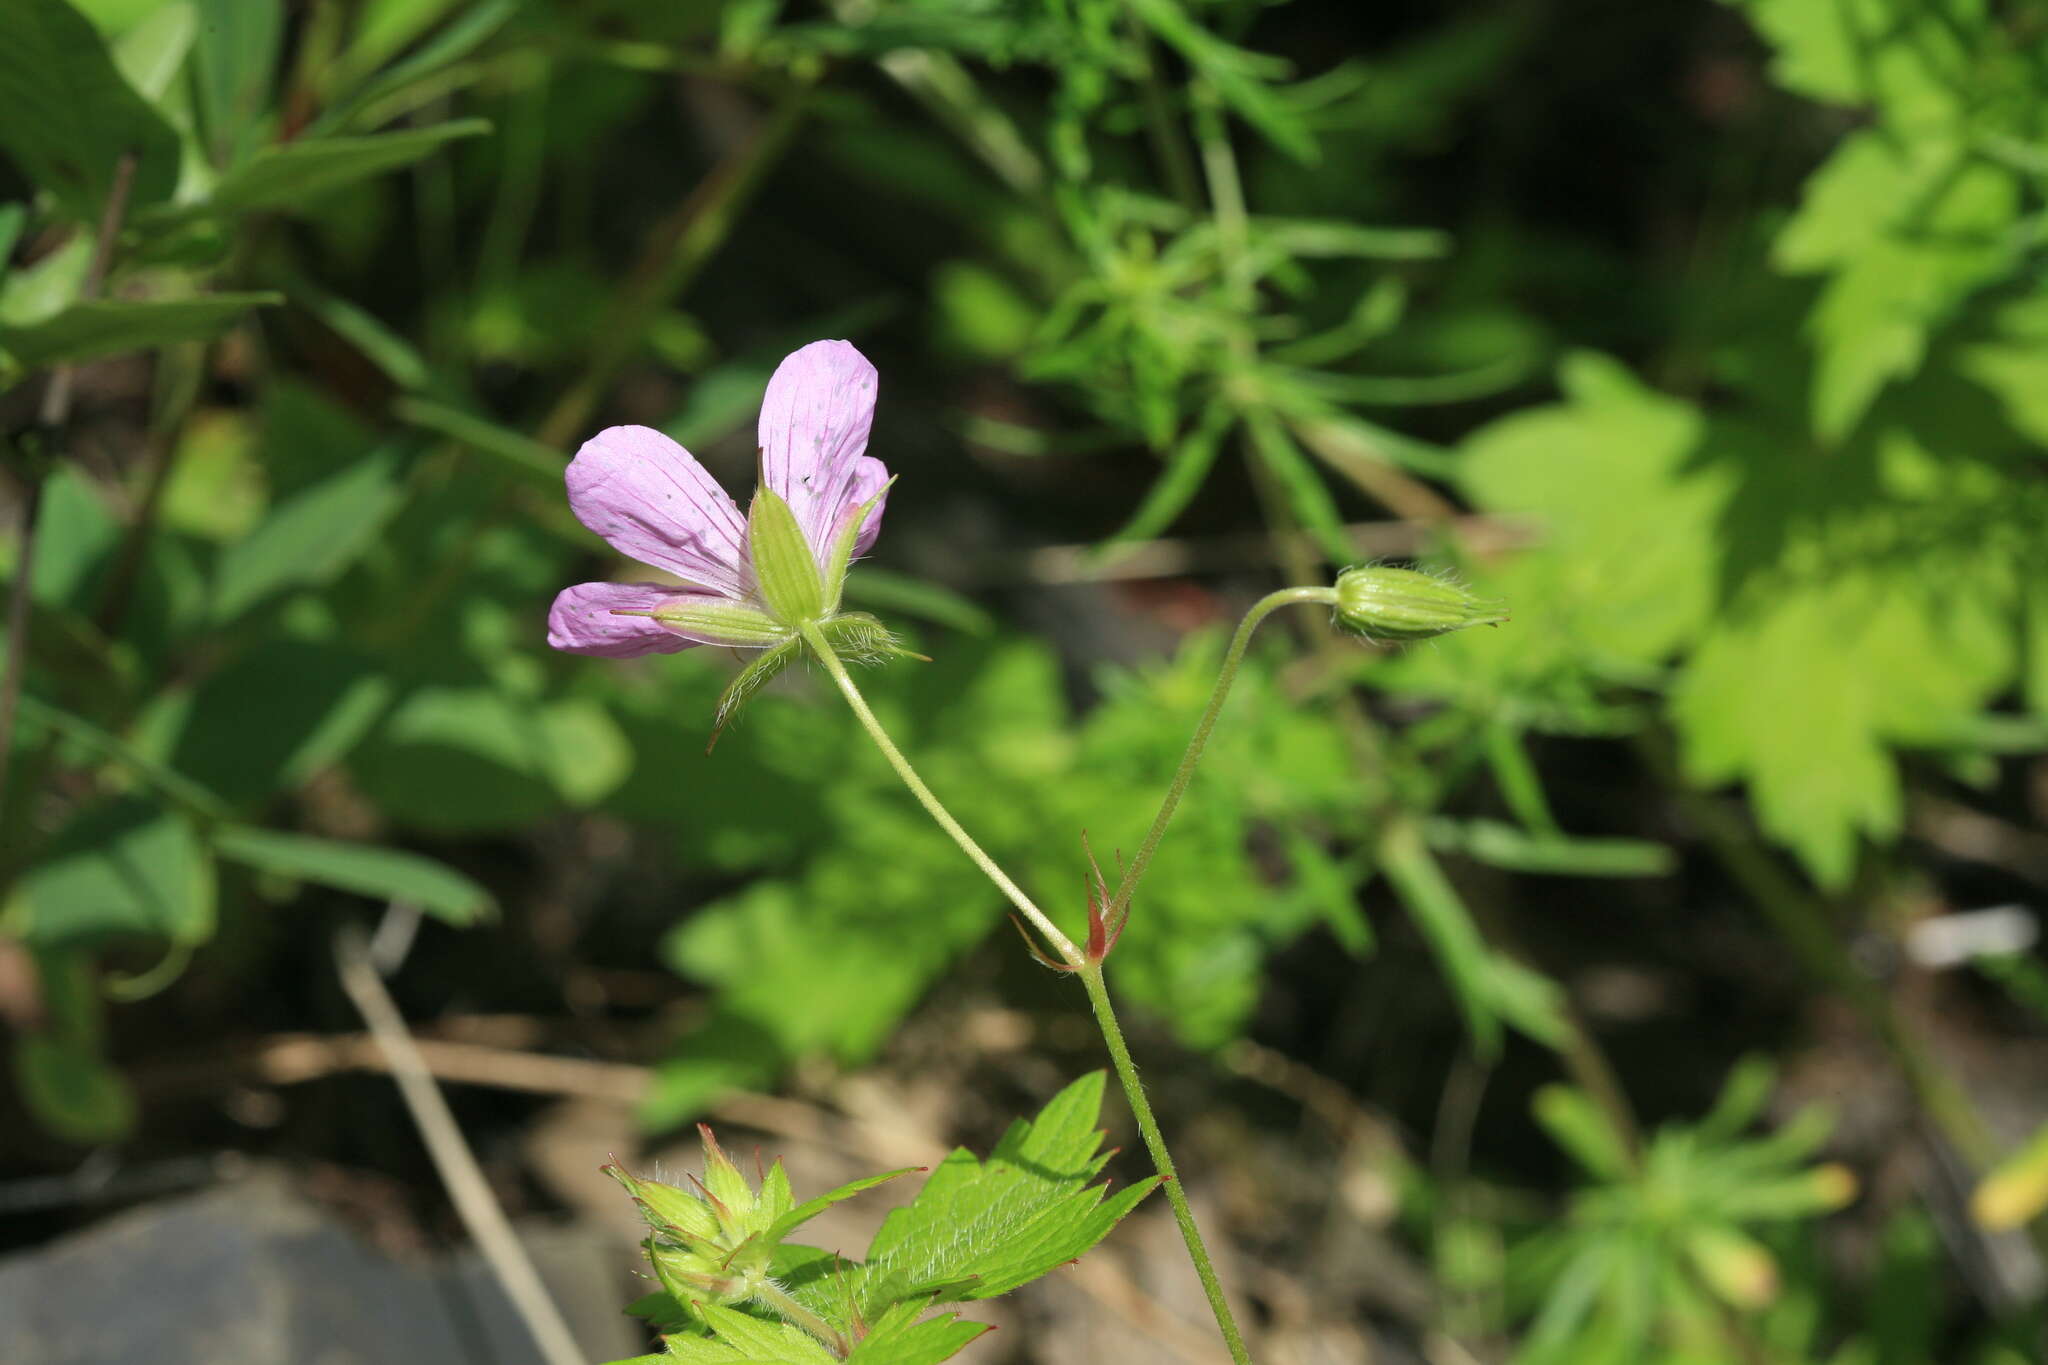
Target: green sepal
(723, 625)
(1385, 603)
(666, 1208)
(783, 565)
(750, 680)
(860, 638)
(840, 556)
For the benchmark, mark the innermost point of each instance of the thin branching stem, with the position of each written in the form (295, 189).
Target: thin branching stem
(1090, 972)
(1064, 946)
(1227, 675)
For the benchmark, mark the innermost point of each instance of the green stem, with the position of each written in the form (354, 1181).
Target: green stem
(1155, 1143)
(822, 647)
(1089, 972)
(1227, 675)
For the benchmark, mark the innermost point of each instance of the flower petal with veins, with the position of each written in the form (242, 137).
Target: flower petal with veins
(651, 499)
(814, 428)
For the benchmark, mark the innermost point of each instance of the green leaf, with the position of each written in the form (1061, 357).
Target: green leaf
(538, 463)
(102, 327)
(386, 874)
(978, 1229)
(309, 538)
(291, 176)
(1187, 467)
(783, 563)
(67, 117)
(123, 867)
(811, 1208)
(902, 1336)
(738, 1337)
(1627, 519)
(150, 54)
(1803, 684)
(1898, 54)
(1578, 1125)
(235, 67)
(1518, 850)
(61, 1068)
(245, 737)
(175, 785)
(465, 759)
(1238, 76)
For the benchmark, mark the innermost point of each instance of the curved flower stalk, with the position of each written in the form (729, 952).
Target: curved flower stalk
(747, 582)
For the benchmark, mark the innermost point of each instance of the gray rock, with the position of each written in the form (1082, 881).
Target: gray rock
(252, 1273)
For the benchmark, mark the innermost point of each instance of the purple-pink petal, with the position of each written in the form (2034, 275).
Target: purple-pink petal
(870, 478)
(814, 437)
(653, 502)
(581, 621)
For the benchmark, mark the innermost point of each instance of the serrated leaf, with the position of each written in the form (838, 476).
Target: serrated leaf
(903, 1337)
(796, 1217)
(102, 327)
(387, 874)
(1802, 686)
(67, 116)
(979, 1229)
(1897, 54)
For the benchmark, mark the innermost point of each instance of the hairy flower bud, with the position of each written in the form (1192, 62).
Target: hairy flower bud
(1385, 603)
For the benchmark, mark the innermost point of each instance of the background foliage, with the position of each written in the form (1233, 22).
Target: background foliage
(1709, 336)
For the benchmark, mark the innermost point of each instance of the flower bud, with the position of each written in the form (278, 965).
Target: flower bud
(1385, 603)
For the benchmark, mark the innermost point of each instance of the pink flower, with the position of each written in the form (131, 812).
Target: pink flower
(652, 501)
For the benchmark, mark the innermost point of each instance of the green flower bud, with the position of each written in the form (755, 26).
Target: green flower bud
(1385, 603)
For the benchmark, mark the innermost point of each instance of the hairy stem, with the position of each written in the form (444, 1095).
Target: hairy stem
(822, 647)
(1155, 1143)
(1225, 676)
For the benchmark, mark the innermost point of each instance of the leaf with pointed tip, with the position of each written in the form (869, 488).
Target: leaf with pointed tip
(979, 1229)
(789, 1222)
(740, 1337)
(904, 1336)
(750, 680)
(667, 1208)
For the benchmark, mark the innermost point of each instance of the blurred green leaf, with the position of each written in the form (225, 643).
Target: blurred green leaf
(151, 54)
(243, 735)
(388, 874)
(1519, 850)
(885, 590)
(235, 66)
(123, 867)
(61, 1068)
(308, 538)
(290, 177)
(67, 117)
(101, 327)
